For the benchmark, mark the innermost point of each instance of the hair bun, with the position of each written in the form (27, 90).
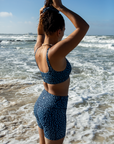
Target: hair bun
(48, 3)
(51, 8)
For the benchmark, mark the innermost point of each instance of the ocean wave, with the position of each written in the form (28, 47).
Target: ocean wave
(100, 39)
(97, 45)
(5, 42)
(17, 37)
(25, 38)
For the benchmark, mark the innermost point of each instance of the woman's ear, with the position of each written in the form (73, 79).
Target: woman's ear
(59, 32)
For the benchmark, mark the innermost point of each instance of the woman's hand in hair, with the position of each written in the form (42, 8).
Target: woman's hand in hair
(57, 4)
(41, 10)
(40, 23)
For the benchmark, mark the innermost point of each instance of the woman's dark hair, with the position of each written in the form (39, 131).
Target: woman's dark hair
(51, 20)
(48, 3)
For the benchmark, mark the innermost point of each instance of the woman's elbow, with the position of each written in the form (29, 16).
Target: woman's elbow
(86, 26)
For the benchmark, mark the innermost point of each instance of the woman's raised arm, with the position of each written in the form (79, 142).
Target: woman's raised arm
(40, 31)
(63, 47)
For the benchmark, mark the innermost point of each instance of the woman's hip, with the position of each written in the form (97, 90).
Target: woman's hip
(47, 100)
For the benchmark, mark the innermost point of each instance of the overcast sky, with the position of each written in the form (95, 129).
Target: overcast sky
(21, 16)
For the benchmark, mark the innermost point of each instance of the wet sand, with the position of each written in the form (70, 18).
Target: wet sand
(15, 114)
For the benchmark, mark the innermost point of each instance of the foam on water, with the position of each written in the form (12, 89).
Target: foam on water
(98, 42)
(90, 117)
(109, 46)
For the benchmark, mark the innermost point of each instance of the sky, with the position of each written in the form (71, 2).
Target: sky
(21, 16)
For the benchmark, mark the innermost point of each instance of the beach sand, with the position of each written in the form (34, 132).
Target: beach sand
(14, 112)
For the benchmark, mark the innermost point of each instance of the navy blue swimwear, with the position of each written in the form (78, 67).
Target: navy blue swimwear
(55, 77)
(50, 110)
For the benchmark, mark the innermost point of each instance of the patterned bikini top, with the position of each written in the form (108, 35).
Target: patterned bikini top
(55, 77)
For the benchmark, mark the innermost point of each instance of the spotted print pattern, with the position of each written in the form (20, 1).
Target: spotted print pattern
(54, 77)
(50, 113)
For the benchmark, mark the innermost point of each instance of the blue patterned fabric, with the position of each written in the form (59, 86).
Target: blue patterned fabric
(51, 8)
(50, 113)
(55, 77)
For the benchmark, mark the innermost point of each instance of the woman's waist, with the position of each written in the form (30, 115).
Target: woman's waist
(58, 89)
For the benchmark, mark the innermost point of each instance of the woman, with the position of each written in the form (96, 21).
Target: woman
(50, 52)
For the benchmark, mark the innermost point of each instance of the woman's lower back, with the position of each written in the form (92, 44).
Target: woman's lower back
(58, 89)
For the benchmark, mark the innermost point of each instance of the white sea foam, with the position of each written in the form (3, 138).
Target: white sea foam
(90, 45)
(98, 42)
(98, 39)
(5, 42)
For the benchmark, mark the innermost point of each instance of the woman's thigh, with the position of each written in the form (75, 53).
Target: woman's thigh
(41, 134)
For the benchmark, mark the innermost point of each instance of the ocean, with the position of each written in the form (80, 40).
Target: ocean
(90, 113)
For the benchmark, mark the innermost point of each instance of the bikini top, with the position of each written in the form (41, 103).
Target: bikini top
(55, 77)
